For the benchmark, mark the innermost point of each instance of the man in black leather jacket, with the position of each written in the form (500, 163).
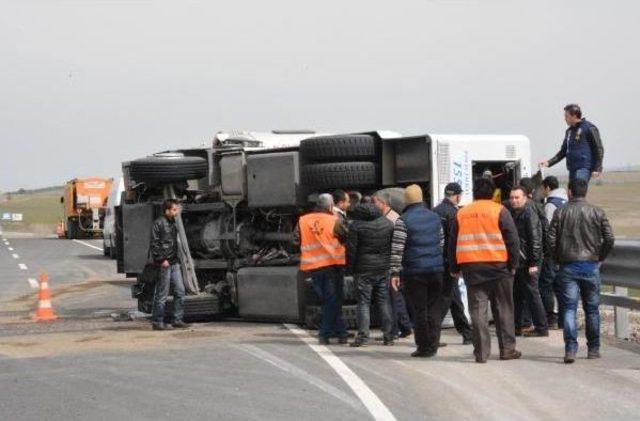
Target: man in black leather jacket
(164, 254)
(368, 253)
(525, 289)
(580, 238)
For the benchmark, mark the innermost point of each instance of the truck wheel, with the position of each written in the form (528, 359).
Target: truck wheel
(357, 147)
(196, 307)
(340, 175)
(168, 169)
(313, 316)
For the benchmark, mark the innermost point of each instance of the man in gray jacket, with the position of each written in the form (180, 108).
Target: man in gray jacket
(555, 198)
(580, 238)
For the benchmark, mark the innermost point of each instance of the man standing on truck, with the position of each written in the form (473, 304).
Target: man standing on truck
(485, 249)
(582, 146)
(323, 257)
(580, 238)
(416, 249)
(164, 253)
(401, 321)
(525, 290)
(368, 252)
(451, 299)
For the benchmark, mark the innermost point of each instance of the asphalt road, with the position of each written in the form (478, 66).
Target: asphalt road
(86, 366)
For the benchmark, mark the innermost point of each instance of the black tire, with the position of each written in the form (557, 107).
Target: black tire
(340, 175)
(196, 307)
(72, 229)
(106, 251)
(312, 317)
(357, 147)
(168, 170)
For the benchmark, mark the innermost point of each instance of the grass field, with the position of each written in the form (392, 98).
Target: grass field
(621, 202)
(41, 211)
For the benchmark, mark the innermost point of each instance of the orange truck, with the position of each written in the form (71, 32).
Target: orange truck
(84, 204)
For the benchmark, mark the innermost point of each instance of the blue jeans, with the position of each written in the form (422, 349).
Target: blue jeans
(170, 278)
(576, 284)
(582, 173)
(373, 286)
(328, 284)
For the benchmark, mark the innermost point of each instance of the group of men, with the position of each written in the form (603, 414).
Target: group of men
(514, 258)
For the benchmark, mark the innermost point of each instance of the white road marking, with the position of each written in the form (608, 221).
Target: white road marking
(88, 245)
(375, 406)
(22, 266)
(33, 283)
(10, 248)
(300, 373)
(15, 256)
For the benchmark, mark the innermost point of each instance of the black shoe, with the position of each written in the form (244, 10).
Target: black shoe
(343, 340)
(569, 357)
(467, 341)
(388, 342)
(359, 343)
(179, 324)
(593, 355)
(323, 341)
(405, 334)
(514, 355)
(536, 333)
(442, 345)
(481, 361)
(424, 353)
(160, 326)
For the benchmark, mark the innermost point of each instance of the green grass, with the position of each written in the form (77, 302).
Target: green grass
(40, 211)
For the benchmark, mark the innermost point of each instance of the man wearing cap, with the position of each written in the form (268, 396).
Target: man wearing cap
(416, 249)
(451, 299)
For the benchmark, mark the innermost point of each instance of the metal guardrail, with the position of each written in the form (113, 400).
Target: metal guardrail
(622, 271)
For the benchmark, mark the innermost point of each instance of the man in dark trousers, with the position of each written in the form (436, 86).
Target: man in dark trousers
(402, 326)
(321, 236)
(582, 146)
(485, 249)
(164, 253)
(368, 253)
(451, 299)
(416, 249)
(525, 289)
(580, 238)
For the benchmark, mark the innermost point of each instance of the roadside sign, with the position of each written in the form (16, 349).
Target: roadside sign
(16, 217)
(6, 216)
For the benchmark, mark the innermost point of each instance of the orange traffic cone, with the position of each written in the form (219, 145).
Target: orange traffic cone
(45, 311)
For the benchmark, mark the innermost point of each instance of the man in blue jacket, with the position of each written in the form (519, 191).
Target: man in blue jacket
(582, 146)
(416, 249)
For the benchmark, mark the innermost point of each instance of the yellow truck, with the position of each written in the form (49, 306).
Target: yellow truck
(84, 204)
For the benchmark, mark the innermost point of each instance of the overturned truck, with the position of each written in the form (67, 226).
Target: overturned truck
(242, 196)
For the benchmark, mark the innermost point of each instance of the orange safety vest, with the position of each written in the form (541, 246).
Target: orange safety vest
(319, 246)
(479, 235)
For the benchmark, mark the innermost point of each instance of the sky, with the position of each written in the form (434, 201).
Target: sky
(85, 85)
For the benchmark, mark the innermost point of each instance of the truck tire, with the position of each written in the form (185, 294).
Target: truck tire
(357, 147)
(168, 170)
(313, 316)
(196, 307)
(340, 175)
